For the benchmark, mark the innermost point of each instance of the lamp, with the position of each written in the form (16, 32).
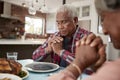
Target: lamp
(44, 8)
(23, 4)
(32, 9)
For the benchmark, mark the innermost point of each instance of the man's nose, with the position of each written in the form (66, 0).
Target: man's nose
(60, 26)
(104, 30)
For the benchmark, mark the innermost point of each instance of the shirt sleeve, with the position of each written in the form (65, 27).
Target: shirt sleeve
(39, 54)
(67, 56)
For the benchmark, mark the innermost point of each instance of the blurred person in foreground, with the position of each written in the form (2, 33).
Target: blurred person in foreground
(61, 45)
(89, 48)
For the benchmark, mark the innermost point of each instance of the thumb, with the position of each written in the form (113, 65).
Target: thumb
(102, 50)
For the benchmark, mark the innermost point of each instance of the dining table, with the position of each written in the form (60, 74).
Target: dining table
(42, 75)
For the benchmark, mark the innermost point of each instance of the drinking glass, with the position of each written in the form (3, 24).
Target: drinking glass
(12, 55)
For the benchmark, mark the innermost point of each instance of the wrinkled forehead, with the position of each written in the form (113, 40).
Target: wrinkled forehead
(62, 16)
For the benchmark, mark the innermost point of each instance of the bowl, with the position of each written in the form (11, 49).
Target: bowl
(24, 73)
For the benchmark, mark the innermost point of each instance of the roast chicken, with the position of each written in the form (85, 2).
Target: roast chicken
(10, 66)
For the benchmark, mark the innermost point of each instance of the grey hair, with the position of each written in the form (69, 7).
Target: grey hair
(72, 10)
(107, 5)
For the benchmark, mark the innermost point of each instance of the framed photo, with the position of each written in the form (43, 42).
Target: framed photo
(85, 11)
(85, 24)
(99, 28)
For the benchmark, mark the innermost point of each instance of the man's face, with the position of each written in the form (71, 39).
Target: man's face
(111, 26)
(66, 25)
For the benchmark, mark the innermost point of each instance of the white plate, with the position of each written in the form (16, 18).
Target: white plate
(10, 76)
(42, 67)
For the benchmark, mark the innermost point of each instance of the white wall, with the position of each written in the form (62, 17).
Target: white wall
(113, 53)
(51, 23)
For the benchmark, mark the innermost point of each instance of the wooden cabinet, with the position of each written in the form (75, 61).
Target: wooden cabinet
(25, 48)
(24, 51)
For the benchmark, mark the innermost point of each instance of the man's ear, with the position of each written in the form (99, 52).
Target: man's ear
(76, 20)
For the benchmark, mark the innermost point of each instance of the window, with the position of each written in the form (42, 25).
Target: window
(85, 19)
(99, 26)
(33, 27)
(85, 11)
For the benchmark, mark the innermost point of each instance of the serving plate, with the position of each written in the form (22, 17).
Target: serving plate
(42, 67)
(9, 76)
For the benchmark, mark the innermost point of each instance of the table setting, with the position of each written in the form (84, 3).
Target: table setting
(42, 70)
(39, 70)
(31, 70)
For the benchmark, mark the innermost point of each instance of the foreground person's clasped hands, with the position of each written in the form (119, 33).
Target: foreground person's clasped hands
(90, 50)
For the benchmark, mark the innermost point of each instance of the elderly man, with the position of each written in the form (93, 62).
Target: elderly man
(90, 47)
(61, 46)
